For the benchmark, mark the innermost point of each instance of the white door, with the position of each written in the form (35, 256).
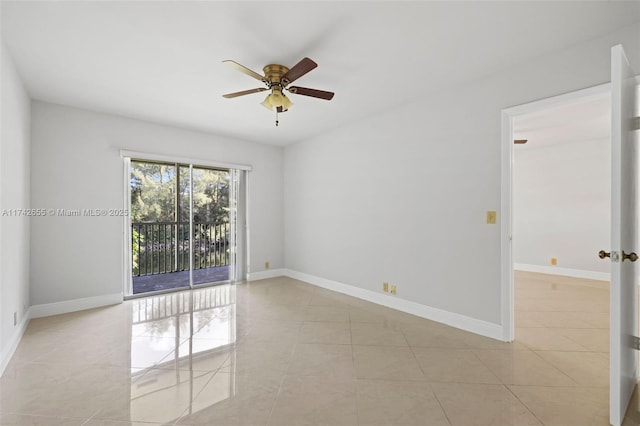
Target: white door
(624, 179)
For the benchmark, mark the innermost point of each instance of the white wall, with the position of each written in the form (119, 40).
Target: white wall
(14, 194)
(402, 196)
(561, 205)
(76, 164)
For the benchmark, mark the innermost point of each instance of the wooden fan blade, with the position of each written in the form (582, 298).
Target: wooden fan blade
(298, 70)
(244, 92)
(315, 93)
(243, 69)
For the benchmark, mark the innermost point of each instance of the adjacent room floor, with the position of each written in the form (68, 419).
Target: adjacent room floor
(282, 352)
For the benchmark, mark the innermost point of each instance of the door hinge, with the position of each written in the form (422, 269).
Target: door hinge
(635, 123)
(635, 342)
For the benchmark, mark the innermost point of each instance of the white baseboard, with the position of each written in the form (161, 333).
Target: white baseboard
(455, 320)
(262, 275)
(56, 308)
(14, 341)
(565, 272)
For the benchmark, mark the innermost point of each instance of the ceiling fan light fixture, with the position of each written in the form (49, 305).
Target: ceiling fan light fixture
(277, 99)
(276, 79)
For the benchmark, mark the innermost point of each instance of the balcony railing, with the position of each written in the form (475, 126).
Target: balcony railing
(162, 247)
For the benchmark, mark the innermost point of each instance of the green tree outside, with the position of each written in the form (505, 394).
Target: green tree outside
(160, 232)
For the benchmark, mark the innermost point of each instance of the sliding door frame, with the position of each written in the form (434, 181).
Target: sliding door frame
(241, 240)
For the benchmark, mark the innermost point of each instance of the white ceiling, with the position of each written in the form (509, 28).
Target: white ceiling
(161, 61)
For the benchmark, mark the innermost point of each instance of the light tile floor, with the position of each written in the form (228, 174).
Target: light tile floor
(282, 352)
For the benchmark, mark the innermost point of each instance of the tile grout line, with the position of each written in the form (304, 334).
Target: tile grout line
(215, 372)
(90, 418)
(557, 368)
(562, 370)
(484, 364)
(508, 387)
(275, 399)
(435, 395)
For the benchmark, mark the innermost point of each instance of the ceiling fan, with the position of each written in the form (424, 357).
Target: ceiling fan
(276, 79)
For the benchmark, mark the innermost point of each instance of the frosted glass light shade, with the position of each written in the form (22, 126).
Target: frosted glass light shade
(276, 99)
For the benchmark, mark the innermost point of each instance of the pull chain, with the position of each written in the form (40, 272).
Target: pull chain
(277, 117)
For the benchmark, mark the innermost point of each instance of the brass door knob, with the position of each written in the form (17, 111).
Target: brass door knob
(631, 256)
(602, 254)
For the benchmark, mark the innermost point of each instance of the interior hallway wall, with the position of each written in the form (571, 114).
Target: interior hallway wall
(562, 206)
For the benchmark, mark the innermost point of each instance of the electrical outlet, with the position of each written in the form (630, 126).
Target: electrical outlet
(393, 289)
(15, 318)
(266, 265)
(385, 287)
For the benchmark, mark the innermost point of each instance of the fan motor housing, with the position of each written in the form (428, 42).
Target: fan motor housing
(274, 72)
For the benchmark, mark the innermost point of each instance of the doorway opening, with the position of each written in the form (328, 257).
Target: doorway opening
(554, 217)
(182, 230)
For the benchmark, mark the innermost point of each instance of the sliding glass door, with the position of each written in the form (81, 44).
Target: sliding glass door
(211, 225)
(182, 228)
